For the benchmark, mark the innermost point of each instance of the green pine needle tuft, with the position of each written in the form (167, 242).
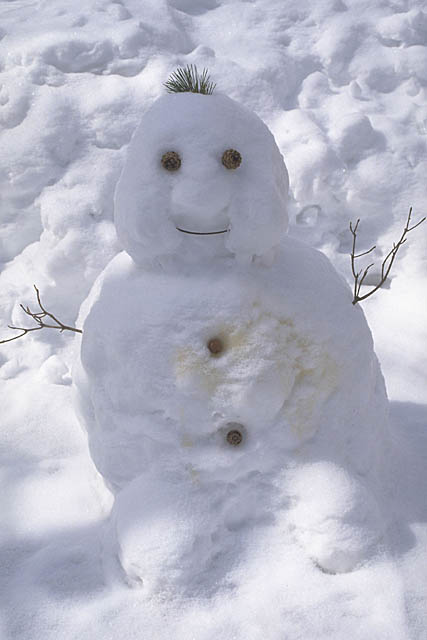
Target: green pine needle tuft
(188, 79)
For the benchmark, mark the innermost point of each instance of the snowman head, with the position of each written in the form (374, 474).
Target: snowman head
(201, 169)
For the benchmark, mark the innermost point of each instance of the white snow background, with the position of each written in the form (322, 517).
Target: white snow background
(343, 87)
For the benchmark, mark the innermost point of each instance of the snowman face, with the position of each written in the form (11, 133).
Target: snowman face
(201, 167)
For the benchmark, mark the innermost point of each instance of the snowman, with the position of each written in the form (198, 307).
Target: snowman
(227, 384)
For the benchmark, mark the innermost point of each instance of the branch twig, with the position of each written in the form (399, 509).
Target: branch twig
(38, 318)
(386, 265)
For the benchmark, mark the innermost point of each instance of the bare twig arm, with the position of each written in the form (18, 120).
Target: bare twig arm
(386, 265)
(358, 281)
(38, 318)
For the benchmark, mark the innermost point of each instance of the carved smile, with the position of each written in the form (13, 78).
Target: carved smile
(201, 233)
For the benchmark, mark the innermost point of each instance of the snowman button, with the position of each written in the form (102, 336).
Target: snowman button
(234, 437)
(215, 346)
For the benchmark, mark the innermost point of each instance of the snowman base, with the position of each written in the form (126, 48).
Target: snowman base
(178, 533)
(336, 520)
(164, 534)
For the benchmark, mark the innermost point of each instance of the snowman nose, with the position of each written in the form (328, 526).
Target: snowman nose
(200, 197)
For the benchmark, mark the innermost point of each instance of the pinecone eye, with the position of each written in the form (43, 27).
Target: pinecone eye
(171, 161)
(231, 159)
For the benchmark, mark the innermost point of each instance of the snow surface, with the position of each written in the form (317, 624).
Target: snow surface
(343, 88)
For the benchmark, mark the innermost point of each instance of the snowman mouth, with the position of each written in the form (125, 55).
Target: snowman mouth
(201, 233)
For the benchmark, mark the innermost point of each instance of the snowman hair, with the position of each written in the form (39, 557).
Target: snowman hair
(187, 79)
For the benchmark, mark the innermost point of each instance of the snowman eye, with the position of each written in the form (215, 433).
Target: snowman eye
(231, 159)
(171, 161)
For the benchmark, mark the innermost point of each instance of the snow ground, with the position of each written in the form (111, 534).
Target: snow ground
(343, 87)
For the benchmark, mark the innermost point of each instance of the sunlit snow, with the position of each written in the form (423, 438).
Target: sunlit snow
(316, 530)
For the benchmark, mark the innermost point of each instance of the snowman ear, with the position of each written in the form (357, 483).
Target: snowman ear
(141, 215)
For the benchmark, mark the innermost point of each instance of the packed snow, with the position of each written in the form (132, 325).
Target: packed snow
(152, 524)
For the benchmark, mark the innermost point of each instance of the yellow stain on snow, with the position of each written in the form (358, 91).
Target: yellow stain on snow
(199, 368)
(312, 387)
(263, 346)
(186, 441)
(193, 370)
(194, 474)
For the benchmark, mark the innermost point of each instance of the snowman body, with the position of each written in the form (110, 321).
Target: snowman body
(202, 335)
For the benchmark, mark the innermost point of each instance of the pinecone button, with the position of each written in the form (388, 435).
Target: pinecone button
(171, 161)
(215, 346)
(231, 159)
(234, 437)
